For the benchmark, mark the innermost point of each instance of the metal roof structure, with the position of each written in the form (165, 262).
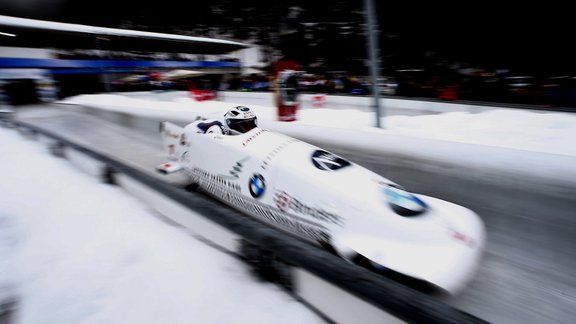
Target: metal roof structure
(23, 32)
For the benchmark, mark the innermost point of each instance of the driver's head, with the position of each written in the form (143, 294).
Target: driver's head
(241, 119)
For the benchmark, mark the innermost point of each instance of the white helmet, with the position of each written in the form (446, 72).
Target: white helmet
(241, 119)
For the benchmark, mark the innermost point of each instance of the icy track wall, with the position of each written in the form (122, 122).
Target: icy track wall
(362, 103)
(380, 152)
(476, 169)
(339, 291)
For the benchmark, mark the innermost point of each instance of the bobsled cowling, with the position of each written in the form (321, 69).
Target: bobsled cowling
(324, 198)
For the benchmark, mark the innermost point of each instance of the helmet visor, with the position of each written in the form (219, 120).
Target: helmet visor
(242, 125)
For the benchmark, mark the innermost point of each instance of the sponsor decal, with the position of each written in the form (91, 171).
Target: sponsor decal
(285, 203)
(253, 136)
(257, 185)
(282, 201)
(230, 193)
(327, 161)
(236, 169)
(461, 237)
(214, 179)
(270, 156)
(247, 112)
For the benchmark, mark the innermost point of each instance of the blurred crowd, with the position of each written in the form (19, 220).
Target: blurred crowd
(330, 83)
(490, 88)
(132, 55)
(480, 87)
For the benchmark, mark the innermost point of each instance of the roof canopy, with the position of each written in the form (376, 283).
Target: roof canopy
(46, 34)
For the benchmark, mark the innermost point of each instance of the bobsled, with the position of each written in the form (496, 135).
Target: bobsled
(323, 198)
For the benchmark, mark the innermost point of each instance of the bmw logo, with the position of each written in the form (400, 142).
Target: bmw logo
(404, 203)
(257, 185)
(326, 161)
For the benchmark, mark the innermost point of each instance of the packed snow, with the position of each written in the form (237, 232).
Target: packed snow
(532, 131)
(73, 250)
(539, 131)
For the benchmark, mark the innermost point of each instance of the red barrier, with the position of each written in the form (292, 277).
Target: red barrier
(318, 100)
(287, 112)
(202, 95)
(449, 93)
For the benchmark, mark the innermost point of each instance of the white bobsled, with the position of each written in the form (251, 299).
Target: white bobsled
(321, 197)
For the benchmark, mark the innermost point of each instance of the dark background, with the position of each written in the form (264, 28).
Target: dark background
(524, 38)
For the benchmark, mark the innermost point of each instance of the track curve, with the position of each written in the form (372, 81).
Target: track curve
(527, 273)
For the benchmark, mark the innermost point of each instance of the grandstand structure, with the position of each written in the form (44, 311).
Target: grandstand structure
(41, 60)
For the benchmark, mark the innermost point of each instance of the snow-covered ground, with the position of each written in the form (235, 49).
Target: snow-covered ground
(532, 131)
(539, 131)
(73, 250)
